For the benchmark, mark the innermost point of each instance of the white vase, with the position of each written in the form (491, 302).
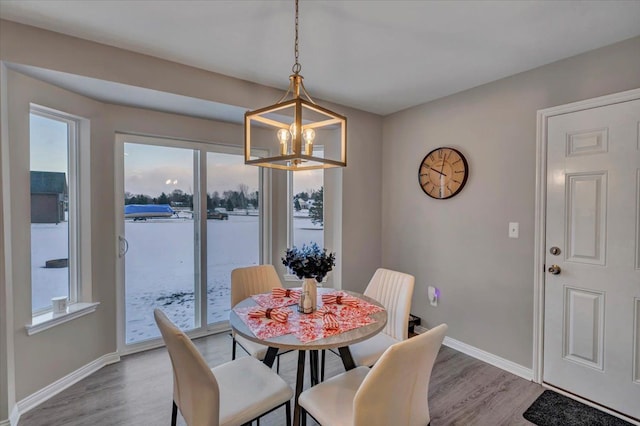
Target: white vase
(309, 298)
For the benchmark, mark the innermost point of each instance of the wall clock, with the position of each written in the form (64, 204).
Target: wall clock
(443, 173)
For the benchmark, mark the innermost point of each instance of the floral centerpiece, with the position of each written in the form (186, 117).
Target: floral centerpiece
(309, 263)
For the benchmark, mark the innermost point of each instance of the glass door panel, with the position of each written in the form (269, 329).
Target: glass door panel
(233, 226)
(160, 264)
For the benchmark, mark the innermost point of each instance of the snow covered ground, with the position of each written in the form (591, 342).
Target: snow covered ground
(159, 267)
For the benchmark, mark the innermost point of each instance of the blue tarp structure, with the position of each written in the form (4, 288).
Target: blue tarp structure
(148, 210)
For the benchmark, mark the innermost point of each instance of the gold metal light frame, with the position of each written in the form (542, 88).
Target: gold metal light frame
(275, 128)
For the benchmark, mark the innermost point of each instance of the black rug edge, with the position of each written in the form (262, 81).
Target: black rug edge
(554, 409)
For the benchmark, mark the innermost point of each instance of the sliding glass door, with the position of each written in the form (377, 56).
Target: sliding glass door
(174, 192)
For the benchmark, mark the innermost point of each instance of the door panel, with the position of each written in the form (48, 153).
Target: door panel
(584, 324)
(591, 305)
(160, 264)
(586, 213)
(588, 142)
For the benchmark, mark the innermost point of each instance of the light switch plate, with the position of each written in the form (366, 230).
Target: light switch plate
(514, 229)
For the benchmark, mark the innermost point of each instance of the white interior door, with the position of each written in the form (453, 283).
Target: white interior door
(592, 294)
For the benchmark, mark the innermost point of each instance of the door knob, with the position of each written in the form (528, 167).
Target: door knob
(554, 269)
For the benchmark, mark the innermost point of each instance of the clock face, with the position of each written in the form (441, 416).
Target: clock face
(443, 173)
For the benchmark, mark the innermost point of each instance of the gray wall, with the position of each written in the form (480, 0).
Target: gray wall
(461, 245)
(43, 358)
(54, 353)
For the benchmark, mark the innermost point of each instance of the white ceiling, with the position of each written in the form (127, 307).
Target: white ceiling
(378, 56)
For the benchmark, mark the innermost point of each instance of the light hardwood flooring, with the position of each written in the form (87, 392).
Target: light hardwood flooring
(137, 391)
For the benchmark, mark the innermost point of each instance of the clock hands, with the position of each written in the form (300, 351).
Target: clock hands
(438, 171)
(442, 168)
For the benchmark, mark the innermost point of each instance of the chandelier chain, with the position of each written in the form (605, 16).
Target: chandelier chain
(296, 66)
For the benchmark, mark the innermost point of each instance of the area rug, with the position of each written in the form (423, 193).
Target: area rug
(553, 409)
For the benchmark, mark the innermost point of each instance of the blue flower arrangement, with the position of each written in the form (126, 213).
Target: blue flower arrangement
(309, 261)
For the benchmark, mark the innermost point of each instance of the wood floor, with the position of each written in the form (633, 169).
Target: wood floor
(137, 391)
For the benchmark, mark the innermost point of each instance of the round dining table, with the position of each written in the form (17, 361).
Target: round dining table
(290, 342)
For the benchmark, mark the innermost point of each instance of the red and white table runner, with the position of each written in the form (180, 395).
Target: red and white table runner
(330, 318)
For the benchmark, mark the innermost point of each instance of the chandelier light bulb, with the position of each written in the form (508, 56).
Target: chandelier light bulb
(284, 136)
(309, 136)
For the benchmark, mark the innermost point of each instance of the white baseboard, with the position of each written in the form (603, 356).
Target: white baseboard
(5, 423)
(15, 416)
(489, 358)
(61, 384)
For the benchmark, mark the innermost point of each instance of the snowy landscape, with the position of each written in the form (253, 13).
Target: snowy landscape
(159, 266)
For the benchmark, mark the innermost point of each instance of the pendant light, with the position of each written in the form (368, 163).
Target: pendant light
(297, 133)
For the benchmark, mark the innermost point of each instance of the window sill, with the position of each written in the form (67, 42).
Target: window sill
(48, 320)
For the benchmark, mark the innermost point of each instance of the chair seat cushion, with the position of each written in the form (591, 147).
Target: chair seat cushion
(248, 388)
(254, 349)
(368, 352)
(331, 402)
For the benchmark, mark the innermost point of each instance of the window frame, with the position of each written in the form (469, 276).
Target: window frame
(79, 207)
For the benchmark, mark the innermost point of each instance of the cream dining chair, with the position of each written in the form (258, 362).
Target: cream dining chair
(393, 392)
(234, 393)
(246, 282)
(394, 291)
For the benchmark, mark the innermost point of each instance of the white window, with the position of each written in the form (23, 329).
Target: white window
(60, 252)
(306, 197)
(315, 213)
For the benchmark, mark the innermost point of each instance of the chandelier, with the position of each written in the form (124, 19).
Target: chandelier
(297, 133)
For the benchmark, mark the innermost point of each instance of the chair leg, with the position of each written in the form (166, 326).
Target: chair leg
(278, 364)
(233, 349)
(288, 411)
(313, 367)
(322, 366)
(303, 417)
(174, 414)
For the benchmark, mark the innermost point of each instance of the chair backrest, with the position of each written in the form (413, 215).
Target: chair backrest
(395, 392)
(394, 290)
(252, 280)
(195, 389)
